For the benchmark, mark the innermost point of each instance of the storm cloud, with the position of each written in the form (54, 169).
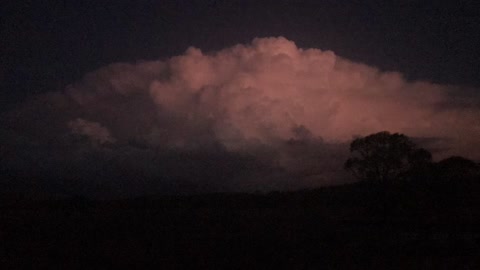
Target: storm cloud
(265, 115)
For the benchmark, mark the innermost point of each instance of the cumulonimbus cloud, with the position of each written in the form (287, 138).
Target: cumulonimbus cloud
(258, 95)
(259, 92)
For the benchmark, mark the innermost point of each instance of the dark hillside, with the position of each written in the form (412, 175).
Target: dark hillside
(359, 226)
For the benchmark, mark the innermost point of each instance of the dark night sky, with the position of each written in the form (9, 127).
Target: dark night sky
(46, 45)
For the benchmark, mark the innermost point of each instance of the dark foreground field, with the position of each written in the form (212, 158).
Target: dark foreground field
(349, 227)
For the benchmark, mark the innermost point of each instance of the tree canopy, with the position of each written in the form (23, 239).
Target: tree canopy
(384, 157)
(457, 168)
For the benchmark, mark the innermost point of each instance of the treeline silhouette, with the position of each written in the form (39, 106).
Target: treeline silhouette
(406, 178)
(406, 212)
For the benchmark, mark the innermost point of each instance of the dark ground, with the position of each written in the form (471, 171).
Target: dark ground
(360, 226)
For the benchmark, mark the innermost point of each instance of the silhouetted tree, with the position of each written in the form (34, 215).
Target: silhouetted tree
(420, 165)
(383, 157)
(455, 182)
(456, 167)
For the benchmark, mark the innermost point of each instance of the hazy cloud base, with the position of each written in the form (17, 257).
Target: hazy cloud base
(262, 116)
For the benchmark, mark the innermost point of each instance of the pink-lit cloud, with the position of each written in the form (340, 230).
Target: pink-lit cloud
(260, 91)
(95, 132)
(255, 99)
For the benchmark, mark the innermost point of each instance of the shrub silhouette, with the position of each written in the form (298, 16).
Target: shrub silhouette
(456, 168)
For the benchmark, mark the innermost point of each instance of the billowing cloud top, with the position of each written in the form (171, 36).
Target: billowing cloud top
(251, 97)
